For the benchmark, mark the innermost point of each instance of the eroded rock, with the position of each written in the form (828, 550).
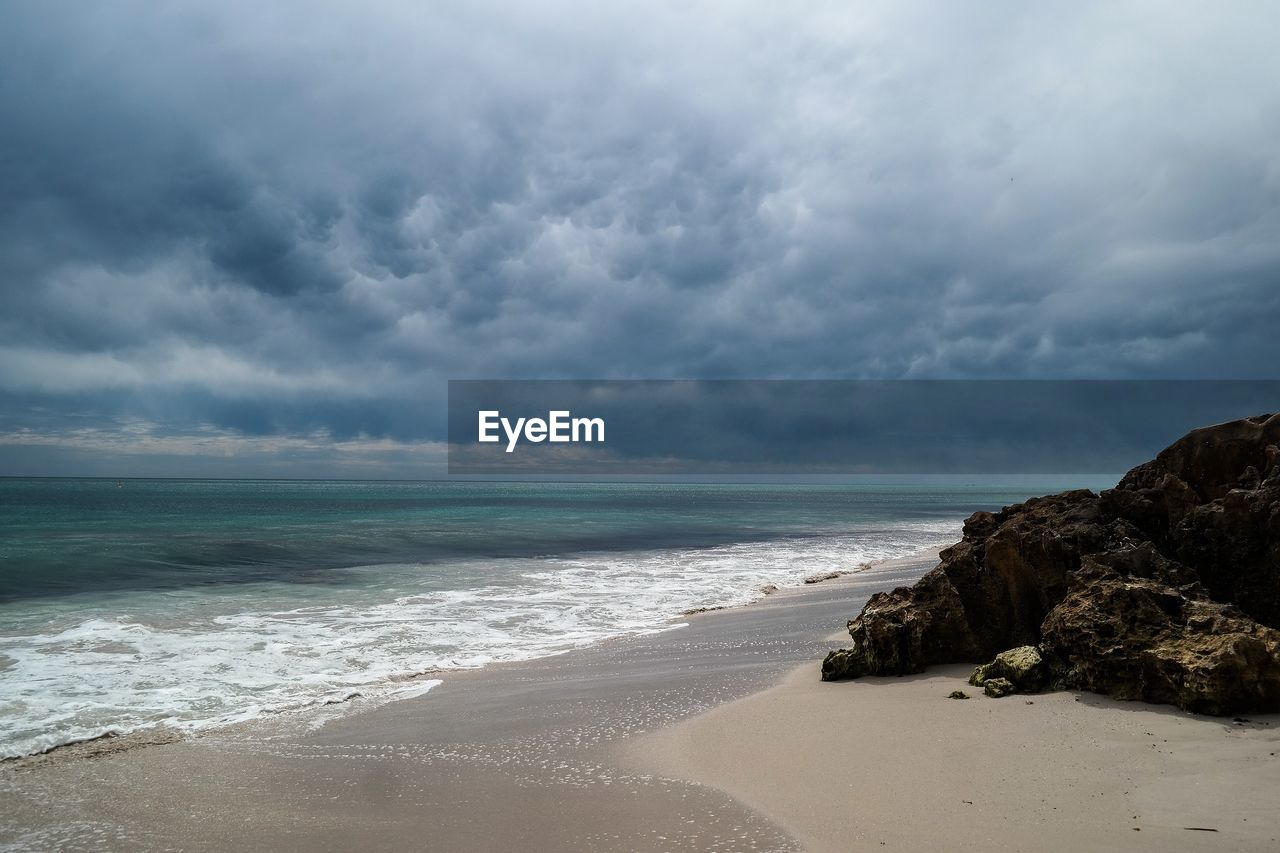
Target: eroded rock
(1165, 588)
(904, 631)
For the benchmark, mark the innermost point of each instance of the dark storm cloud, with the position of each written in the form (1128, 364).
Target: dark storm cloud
(300, 218)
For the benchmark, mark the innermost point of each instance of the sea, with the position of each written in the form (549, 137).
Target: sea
(192, 604)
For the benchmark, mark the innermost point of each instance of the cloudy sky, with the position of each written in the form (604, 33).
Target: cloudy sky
(258, 237)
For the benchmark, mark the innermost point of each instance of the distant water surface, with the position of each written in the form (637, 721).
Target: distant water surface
(192, 603)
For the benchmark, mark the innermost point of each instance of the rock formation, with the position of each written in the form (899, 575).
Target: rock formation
(1165, 588)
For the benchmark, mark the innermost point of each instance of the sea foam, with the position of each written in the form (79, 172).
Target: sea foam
(78, 667)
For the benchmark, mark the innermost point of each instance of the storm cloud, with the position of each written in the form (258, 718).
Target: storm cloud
(287, 224)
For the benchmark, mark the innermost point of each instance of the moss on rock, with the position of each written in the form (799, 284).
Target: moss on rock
(998, 687)
(1023, 667)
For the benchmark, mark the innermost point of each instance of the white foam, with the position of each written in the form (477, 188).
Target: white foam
(197, 659)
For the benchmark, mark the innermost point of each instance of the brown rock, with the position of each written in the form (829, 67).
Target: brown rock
(1212, 501)
(1134, 638)
(1165, 588)
(904, 631)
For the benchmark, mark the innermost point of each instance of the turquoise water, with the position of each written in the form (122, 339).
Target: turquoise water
(194, 603)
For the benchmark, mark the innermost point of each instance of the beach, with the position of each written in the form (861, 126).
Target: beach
(639, 427)
(715, 735)
(894, 763)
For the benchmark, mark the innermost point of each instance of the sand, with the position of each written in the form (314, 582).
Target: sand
(715, 735)
(895, 764)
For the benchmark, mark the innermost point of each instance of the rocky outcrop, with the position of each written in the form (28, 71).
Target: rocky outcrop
(1165, 588)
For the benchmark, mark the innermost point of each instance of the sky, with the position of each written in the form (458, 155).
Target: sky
(247, 238)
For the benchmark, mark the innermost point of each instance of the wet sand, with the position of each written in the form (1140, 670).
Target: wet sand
(509, 757)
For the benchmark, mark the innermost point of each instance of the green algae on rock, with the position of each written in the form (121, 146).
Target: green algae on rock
(997, 688)
(1022, 667)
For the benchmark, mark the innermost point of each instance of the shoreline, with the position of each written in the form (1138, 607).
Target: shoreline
(512, 754)
(114, 740)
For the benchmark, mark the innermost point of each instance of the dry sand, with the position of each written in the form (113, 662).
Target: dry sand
(895, 764)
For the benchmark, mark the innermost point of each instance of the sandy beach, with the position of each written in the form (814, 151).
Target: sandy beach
(716, 735)
(574, 427)
(894, 763)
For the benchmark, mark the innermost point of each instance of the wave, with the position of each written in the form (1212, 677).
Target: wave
(193, 660)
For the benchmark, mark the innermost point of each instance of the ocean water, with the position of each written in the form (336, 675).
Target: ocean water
(196, 603)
